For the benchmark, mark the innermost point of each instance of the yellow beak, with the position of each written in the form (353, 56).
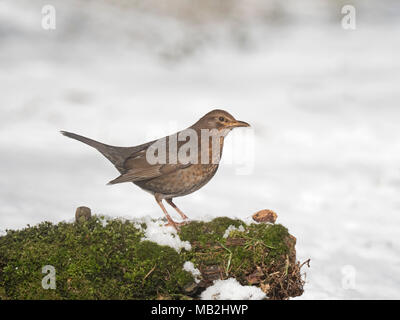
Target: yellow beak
(237, 124)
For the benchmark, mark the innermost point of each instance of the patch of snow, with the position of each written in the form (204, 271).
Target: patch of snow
(104, 221)
(231, 228)
(157, 232)
(189, 267)
(231, 289)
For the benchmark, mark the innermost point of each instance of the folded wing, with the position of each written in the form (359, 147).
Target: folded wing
(137, 168)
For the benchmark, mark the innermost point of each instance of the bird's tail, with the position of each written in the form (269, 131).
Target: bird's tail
(116, 155)
(95, 144)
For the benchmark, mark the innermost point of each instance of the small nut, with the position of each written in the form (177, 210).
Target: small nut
(82, 214)
(265, 215)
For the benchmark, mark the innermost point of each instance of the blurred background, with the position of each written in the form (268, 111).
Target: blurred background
(323, 102)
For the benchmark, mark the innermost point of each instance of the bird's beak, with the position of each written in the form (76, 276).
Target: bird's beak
(237, 123)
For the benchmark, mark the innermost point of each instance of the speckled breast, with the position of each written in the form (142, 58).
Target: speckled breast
(180, 182)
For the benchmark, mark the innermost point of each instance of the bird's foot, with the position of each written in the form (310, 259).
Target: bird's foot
(174, 224)
(184, 217)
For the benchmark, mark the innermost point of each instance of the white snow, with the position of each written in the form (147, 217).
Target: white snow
(189, 266)
(104, 221)
(157, 232)
(231, 289)
(323, 103)
(231, 228)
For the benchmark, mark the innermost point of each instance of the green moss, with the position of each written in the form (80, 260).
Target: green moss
(207, 232)
(94, 260)
(259, 244)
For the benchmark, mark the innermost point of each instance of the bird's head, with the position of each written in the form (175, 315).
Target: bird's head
(219, 119)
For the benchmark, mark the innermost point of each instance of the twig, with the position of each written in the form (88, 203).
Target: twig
(305, 262)
(148, 273)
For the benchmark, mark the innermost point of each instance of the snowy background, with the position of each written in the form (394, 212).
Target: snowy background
(323, 103)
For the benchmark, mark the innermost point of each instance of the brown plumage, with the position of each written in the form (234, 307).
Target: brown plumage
(173, 177)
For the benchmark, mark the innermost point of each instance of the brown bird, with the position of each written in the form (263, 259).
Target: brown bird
(173, 166)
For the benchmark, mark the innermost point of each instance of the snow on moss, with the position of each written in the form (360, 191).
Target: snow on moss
(189, 267)
(157, 232)
(232, 228)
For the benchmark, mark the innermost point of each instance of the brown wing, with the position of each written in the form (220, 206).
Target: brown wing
(137, 168)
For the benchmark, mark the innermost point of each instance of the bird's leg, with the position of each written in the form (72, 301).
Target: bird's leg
(184, 217)
(170, 221)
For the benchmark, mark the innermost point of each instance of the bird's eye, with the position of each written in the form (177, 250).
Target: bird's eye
(222, 119)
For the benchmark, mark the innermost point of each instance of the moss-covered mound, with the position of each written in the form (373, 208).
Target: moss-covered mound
(97, 260)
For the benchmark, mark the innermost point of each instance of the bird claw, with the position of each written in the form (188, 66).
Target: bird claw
(174, 224)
